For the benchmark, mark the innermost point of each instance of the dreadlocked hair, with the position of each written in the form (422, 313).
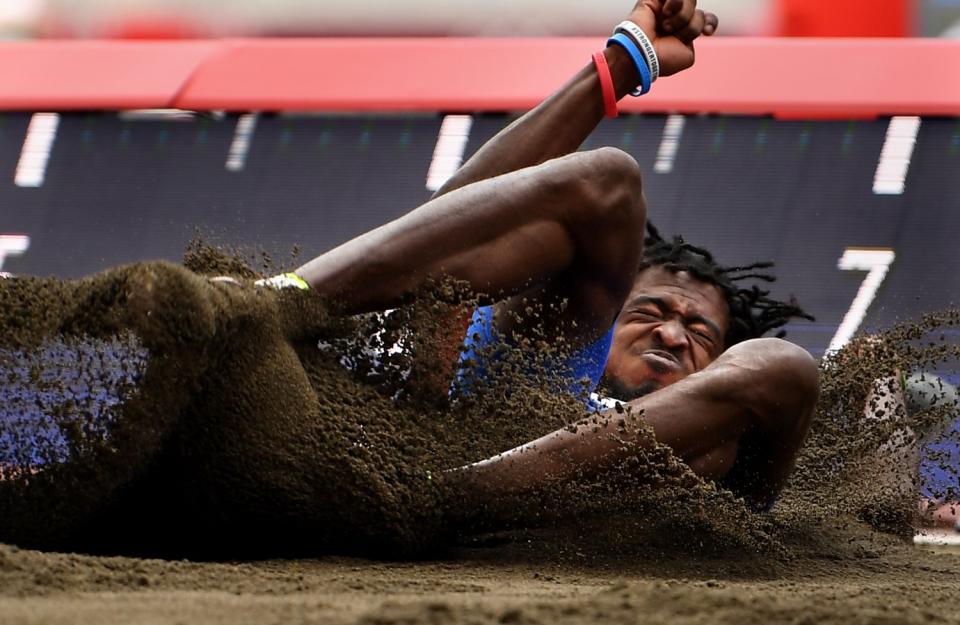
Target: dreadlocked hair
(752, 312)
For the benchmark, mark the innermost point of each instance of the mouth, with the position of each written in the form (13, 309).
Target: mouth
(661, 361)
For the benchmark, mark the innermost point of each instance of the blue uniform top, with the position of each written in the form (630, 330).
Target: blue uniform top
(579, 373)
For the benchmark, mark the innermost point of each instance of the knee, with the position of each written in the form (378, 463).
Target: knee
(615, 169)
(167, 305)
(611, 186)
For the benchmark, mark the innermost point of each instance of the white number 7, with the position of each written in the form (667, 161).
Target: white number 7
(877, 263)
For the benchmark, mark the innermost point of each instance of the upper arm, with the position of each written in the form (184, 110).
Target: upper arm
(781, 400)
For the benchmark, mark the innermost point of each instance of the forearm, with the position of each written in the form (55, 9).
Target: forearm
(585, 447)
(556, 127)
(885, 401)
(673, 416)
(885, 407)
(766, 385)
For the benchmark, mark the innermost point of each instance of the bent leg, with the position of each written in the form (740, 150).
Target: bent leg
(118, 357)
(576, 220)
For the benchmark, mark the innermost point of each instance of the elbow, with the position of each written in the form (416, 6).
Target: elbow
(608, 186)
(783, 381)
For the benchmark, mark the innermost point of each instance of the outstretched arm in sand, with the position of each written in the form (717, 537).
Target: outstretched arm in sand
(903, 414)
(941, 514)
(767, 387)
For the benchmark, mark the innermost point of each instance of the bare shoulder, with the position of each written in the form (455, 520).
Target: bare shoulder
(772, 349)
(776, 359)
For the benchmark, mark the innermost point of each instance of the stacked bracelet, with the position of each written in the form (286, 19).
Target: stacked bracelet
(639, 61)
(643, 42)
(606, 85)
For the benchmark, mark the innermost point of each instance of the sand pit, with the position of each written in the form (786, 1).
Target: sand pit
(891, 584)
(255, 455)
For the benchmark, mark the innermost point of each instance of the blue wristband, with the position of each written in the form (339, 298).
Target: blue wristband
(638, 59)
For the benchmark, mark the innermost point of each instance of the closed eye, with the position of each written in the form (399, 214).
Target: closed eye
(648, 313)
(703, 333)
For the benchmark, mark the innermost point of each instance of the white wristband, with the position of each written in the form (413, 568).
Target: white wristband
(643, 42)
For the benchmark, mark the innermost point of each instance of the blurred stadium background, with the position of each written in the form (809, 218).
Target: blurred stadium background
(217, 18)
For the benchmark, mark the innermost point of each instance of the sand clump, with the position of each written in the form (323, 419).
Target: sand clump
(180, 418)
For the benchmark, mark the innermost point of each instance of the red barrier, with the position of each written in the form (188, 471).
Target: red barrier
(846, 18)
(66, 75)
(785, 77)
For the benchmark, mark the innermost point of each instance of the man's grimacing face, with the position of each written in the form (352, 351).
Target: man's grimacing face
(671, 325)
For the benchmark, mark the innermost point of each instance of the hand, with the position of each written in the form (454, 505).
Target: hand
(673, 26)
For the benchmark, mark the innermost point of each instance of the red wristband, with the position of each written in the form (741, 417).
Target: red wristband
(606, 85)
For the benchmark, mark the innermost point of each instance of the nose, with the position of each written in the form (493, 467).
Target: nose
(671, 334)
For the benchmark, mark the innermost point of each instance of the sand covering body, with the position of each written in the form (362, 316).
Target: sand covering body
(230, 434)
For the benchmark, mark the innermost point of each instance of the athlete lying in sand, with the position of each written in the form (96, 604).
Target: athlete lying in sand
(528, 219)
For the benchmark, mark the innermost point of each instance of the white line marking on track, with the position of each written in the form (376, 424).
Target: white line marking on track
(669, 144)
(448, 154)
(242, 138)
(35, 154)
(895, 156)
(12, 245)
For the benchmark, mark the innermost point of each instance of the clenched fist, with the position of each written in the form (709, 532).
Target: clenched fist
(673, 26)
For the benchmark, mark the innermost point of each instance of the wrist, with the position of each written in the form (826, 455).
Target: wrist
(622, 69)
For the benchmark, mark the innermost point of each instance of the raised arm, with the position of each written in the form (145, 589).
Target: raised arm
(483, 233)
(564, 120)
